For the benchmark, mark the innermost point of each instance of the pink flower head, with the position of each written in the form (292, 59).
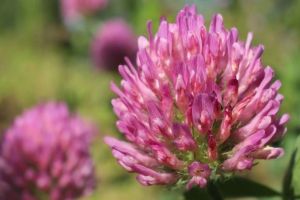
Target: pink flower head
(199, 104)
(113, 42)
(73, 10)
(45, 155)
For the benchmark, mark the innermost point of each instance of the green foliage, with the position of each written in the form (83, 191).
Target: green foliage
(236, 187)
(287, 188)
(40, 61)
(296, 171)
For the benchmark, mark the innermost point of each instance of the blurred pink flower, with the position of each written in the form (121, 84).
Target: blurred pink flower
(73, 10)
(113, 42)
(45, 155)
(199, 105)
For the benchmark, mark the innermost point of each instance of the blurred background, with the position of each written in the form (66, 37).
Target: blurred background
(48, 53)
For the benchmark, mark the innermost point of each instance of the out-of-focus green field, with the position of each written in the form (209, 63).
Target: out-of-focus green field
(41, 61)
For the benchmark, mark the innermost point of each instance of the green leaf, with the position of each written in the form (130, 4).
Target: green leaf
(296, 172)
(197, 194)
(214, 191)
(236, 187)
(241, 187)
(287, 188)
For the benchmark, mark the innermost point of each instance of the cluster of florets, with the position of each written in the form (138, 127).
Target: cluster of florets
(200, 104)
(45, 155)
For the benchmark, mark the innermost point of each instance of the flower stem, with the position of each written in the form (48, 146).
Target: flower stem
(214, 192)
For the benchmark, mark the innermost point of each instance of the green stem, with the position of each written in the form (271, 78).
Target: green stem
(213, 191)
